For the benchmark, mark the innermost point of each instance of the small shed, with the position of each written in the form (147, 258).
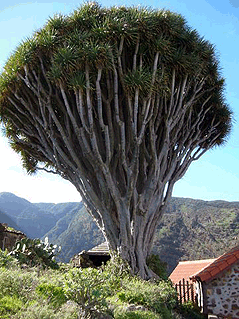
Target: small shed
(218, 286)
(9, 236)
(93, 257)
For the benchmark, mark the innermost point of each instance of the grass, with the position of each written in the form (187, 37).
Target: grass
(73, 293)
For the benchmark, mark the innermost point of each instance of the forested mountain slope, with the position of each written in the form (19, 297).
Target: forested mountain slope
(195, 229)
(5, 219)
(190, 229)
(75, 231)
(32, 220)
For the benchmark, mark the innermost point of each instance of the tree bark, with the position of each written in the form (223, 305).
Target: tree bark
(122, 138)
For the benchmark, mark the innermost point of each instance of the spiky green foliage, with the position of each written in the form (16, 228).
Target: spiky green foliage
(35, 252)
(61, 48)
(120, 101)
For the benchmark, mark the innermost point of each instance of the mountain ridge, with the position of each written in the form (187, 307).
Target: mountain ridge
(190, 229)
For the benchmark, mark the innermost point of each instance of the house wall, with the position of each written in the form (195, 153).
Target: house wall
(8, 238)
(199, 294)
(222, 294)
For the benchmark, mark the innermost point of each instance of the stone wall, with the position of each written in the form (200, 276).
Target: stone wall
(222, 294)
(8, 237)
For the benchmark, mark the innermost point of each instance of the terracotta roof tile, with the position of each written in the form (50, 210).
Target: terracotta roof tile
(185, 269)
(219, 265)
(230, 260)
(214, 271)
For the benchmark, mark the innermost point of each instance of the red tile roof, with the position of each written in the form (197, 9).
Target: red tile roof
(219, 265)
(185, 269)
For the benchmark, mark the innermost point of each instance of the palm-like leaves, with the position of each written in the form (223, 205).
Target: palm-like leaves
(138, 79)
(119, 101)
(132, 37)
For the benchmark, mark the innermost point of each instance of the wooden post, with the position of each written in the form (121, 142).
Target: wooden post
(188, 288)
(180, 291)
(192, 293)
(184, 292)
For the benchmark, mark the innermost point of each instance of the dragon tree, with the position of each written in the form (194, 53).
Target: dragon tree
(119, 101)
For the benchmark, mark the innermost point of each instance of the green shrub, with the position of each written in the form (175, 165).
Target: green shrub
(6, 260)
(35, 252)
(45, 311)
(54, 294)
(68, 311)
(117, 267)
(159, 297)
(121, 313)
(189, 310)
(157, 266)
(115, 271)
(9, 305)
(72, 293)
(17, 283)
(36, 311)
(88, 288)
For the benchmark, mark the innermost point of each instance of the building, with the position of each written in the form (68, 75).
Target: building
(180, 277)
(185, 269)
(217, 285)
(9, 236)
(94, 257)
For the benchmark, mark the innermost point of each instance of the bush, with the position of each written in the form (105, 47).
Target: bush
(35, 252)
(121, 313)
(115, 271)
(22, 294)
(189, 310)
(88, 288)
(159, 297)
(45, 311)
(54, 294)
(147, 293)
(9, 305)
(6, 260)
(157, 266)
(117, 267)
(17, 283)
(72, 293)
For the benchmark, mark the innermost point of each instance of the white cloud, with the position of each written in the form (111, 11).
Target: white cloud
(42, 187)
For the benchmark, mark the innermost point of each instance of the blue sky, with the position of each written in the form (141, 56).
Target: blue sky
(215, 176)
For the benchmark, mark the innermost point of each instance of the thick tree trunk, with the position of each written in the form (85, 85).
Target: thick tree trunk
(134, 241)
(131, 235)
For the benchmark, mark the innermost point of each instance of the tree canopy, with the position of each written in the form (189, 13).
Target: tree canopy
(119, 101)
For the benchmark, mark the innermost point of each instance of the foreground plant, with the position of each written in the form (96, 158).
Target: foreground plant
(88, 288)
(35, 252)
(105, 293)
(120, 102)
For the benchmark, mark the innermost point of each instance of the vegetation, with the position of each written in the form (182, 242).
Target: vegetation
(34, 252)
(196, 229)
(119, 101)
(190, 311)
(157, 266)
(73, 293)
